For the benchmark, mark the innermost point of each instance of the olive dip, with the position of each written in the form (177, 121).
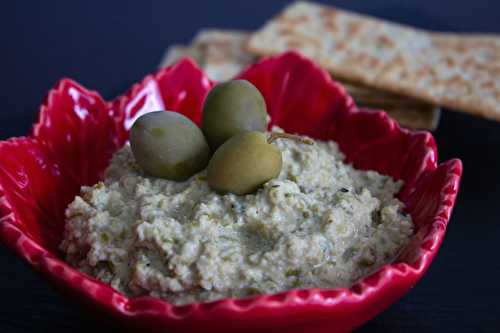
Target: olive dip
(319, 224)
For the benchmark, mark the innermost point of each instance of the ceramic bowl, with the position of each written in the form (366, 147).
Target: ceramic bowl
(77, 133)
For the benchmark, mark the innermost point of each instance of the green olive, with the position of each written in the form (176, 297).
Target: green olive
(243, 163)
(169, 145)
(230, 108)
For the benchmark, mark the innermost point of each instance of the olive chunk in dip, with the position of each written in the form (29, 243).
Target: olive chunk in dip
(320, 223)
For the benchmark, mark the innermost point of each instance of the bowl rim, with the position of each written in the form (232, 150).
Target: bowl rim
(57, 269)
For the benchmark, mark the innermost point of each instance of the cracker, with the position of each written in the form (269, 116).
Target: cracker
(423, 117)
(459, 72)
(222, 55)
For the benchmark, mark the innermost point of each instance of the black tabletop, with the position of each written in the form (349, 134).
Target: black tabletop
(107, 45)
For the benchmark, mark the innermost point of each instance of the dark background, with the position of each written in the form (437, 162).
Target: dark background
(108, 45)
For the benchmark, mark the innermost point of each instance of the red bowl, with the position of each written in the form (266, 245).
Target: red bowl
(78, 131)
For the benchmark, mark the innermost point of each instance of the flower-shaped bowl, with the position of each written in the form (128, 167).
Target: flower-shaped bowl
(77, 133)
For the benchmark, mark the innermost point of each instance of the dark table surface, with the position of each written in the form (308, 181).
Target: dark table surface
(108, 45)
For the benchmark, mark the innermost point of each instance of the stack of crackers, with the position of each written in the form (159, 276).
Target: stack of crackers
(407, 72)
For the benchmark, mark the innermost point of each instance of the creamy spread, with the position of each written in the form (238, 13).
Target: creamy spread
(321, 223)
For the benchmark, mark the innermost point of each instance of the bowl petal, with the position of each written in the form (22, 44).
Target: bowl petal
(300, 97)
(34, 193)
(76, 127)
(180, 88)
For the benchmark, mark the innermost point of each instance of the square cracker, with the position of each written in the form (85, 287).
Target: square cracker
(459, 72)
(222, 55)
